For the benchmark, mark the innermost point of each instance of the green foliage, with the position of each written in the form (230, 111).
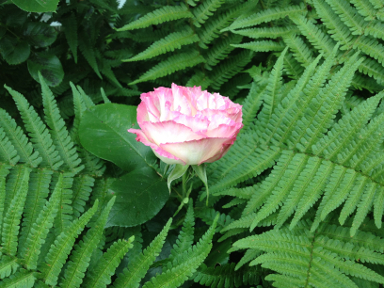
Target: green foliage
(301, 189)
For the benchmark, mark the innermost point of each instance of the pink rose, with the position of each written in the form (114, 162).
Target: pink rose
(187, 126)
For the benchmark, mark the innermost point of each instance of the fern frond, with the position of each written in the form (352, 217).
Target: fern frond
(82, 188)
(8, 153)
(172, 64)
(283, 117)
(226, 276)
(326, 104)
(373, 69)
(37, 193)
(38, 132)
(372, 47)
(59, 251)
(170, 43)
(229, 68)
(221, 50)
(272, 94)
(204, 10)
(185, 264)
(293, 67)
(79, 261)
(267, 32)
(211, 29)
(60, 135)
(376, 30)
(300, 50)
(161, 15)
(21, 279)
(266, 16)
(311, 264)
(348, 15)
(252, 164)
(365, 8)
(139, 265)
(315, 36)
(294, 165)
(100, 276)
(64, 216)
(4, 170)
(199, 79)
(39, 231)
(8, 266)
(261, 46)
(18, 139)
(337, 29)
(12, 216)
(249, 255)
(342, 133)
(185, 238)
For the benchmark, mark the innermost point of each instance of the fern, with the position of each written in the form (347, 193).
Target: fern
(74, 272)
(38, 132)
(60, 136)
(171, 65)
(266, 16)
(137, 268)
(167, 13)
(317, 260)
(170, 43)
(101, 274)
(40, 228)
(204, 10)
(19, 141)
(226, 276)
(7, 151)
(12, 216)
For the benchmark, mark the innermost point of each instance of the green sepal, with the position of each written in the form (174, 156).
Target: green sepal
(176, 173)
(202, 174)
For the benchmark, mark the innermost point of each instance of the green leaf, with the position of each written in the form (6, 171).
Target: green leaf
(14, 51)
(176, 173)
(48, 65)
(139, 197)
(40, 34)
(37, 5)
(103, 132)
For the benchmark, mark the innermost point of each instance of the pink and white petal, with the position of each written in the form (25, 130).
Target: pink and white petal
(181, 99)
(168, 131)
(159, 152)
(197, 123)
(219, 155)
(224, 130)
(196, 152)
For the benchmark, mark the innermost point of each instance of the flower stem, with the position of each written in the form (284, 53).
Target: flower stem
(184, 184)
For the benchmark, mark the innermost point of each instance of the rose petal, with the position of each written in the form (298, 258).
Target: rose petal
(196, 152)
(160, 153)
(168, 131)
(224, 130)
(197, 123)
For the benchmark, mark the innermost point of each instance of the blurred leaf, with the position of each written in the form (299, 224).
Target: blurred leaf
(37, 5)
(103, 132)
(40, 34)
(14, 51)
(48, 65)
(140, 195)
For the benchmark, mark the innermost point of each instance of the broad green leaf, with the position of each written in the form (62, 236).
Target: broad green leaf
(14, 51)
(37, 5)
(40, 34)
(139, 197)
(48, 65)
(103, 132)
